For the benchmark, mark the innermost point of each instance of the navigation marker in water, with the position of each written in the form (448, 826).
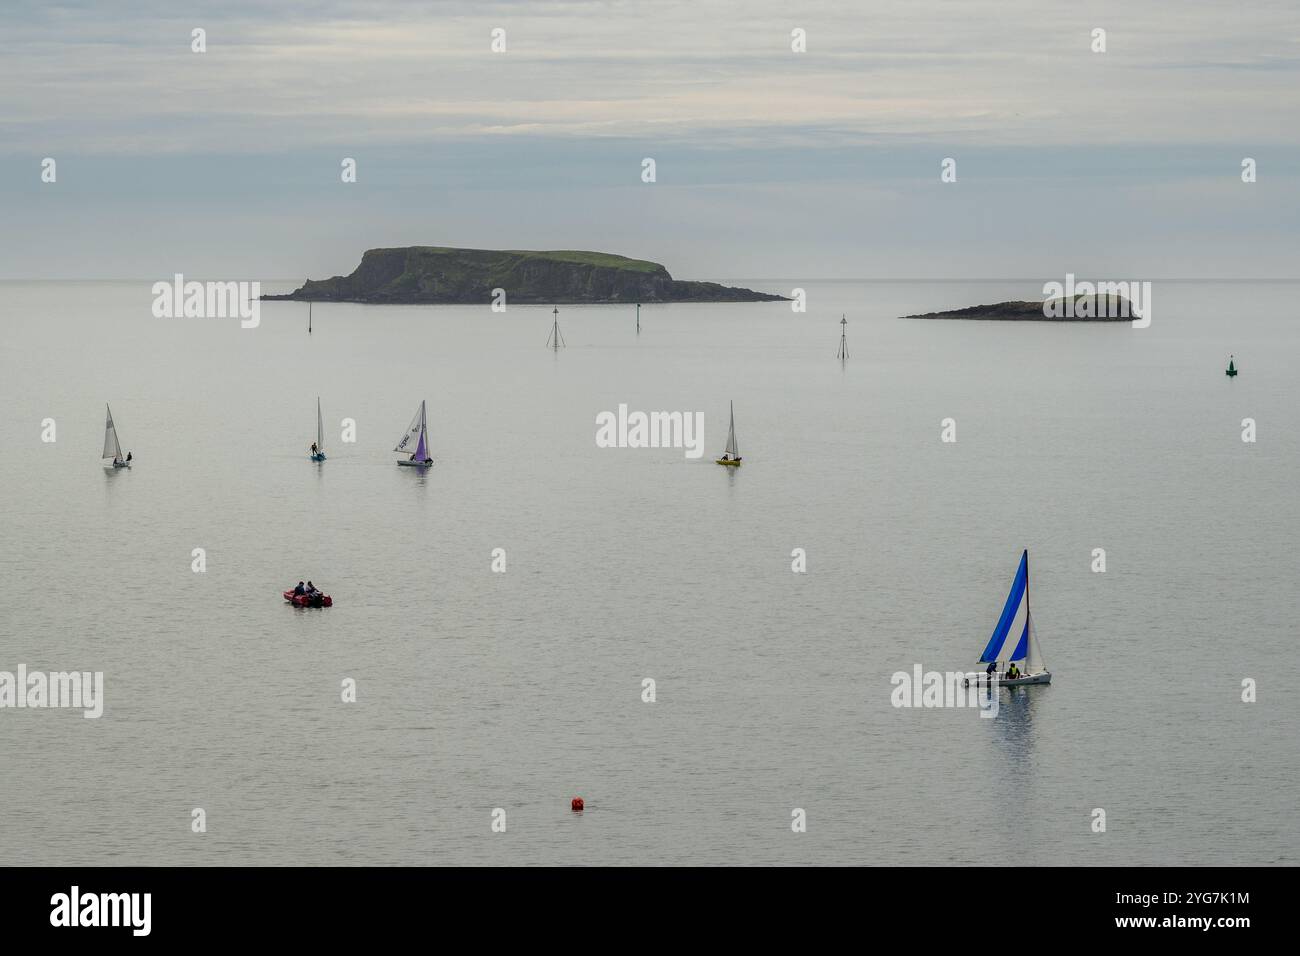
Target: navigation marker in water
(638, 318)
(555, 340)
(843, 353)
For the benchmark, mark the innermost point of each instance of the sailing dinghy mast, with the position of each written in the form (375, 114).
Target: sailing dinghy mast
(732, 449)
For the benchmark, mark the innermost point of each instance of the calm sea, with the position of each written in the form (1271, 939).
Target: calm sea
(520, 690)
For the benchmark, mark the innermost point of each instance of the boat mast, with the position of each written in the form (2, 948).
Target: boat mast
(1034, 663)
(732, 450)
(843, 353)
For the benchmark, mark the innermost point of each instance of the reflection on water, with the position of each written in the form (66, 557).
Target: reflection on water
(1011, 738)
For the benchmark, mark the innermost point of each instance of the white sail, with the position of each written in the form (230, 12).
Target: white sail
(1034, 661)
(411, 437)
(732, 450)
(320, 428)
(112, 448)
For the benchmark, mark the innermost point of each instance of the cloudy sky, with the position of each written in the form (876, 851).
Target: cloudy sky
(770, 163)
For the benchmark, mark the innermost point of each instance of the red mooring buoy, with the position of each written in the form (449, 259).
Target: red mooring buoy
(576, 805)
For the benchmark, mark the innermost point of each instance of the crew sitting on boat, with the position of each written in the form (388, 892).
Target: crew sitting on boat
(1013, 672)
(300, 589)
(311, 589)
(128, 456)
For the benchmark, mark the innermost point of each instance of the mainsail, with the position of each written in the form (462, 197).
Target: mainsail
(1011, 638)
(415, 433)
(421, 450)
(320, 428)
(1034, 662)
(112, 449)
(731, 435)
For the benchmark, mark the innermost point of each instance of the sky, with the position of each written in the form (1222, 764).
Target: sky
(769, 163)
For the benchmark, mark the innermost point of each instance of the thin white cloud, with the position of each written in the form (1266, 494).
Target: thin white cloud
(324, 73)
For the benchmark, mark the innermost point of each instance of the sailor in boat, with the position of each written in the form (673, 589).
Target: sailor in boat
(128, 456)
(311, 590)
(989, 671)
(1012, 672)
(314, 449)
(300, 589)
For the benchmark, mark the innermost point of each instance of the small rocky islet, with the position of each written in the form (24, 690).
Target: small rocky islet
(1086, 308)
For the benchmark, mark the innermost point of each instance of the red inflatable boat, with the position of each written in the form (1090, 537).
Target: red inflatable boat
(309, 600)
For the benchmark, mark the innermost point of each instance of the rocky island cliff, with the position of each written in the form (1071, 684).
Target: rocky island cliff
(444, 276)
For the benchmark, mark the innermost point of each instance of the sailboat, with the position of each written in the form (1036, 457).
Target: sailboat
(417, 434)
(318, 453)
(731, 457)
(112, 447)
(1232, 369)
(1014, 639)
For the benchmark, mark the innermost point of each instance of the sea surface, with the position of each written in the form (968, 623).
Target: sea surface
(478, 690)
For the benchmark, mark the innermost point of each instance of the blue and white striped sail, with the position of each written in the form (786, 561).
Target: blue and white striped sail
(1011, 638)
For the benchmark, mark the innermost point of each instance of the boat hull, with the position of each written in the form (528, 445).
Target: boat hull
(308, 600)
(416, 464)
(729, 464)
(121, 464)
(981, 679)
(320, 457)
